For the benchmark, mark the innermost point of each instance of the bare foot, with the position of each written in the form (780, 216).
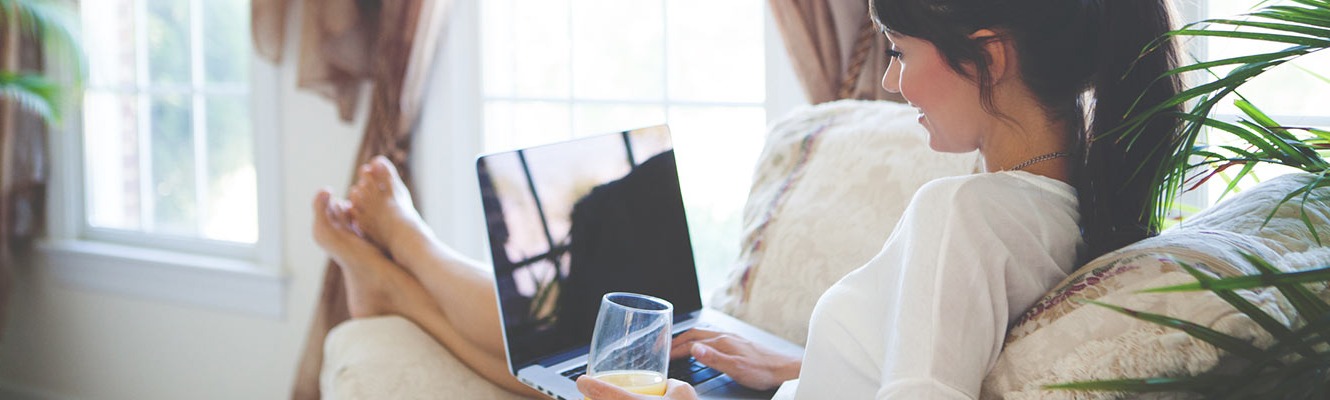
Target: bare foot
(382, 210)
(374, 285)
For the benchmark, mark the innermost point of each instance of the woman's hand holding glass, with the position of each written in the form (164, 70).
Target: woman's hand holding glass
(630, 346)
(597, 389)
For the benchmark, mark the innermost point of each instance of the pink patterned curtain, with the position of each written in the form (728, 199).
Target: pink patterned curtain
(836, 50)
(343, 44)
(22, 162)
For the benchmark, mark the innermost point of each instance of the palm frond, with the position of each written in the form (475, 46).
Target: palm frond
(31, 92)
(1304, 25)
(1218, 339)
(1302, 299)
(1248, 281)
(1141, 385)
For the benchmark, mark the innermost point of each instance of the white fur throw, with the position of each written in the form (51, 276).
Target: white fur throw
(829, 187)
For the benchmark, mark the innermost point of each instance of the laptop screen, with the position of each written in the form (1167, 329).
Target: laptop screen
(571, 221)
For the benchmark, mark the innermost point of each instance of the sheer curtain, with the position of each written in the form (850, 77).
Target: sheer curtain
(344, 43)
(836, 50)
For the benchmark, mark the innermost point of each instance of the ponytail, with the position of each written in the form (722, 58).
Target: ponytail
(1114, 183)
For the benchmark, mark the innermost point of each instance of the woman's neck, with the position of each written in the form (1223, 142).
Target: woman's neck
(1028, 140)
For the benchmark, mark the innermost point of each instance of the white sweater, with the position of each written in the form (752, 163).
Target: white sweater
(925, 319)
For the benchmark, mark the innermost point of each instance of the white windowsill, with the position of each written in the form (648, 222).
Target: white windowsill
(210, 282)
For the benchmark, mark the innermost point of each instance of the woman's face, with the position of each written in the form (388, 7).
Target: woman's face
(948, 103)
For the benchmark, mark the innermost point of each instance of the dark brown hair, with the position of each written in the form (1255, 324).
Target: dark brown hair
(1066, 49)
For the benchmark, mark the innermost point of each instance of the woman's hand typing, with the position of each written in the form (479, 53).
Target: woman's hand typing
(747, 363)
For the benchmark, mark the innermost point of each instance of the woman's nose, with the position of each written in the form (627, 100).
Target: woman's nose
(891, 80)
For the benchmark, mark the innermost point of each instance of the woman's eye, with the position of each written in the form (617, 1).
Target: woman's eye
(894, 54)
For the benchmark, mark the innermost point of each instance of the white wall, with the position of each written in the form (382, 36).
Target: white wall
(70, 343)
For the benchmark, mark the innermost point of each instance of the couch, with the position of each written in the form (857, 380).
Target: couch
(831, 183)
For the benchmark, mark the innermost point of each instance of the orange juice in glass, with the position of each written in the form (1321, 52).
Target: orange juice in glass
(640, 382)
(630, 346)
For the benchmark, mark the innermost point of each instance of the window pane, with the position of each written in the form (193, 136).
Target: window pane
(173, 183)
(715, 50)
(527, 58)
(618, 49)
(111, 160)
(497, 47)
(226, 41)
(590, 119)
(168, 41)
(232, 203)
(1283, 90)
(109, 24)
(717, 148)
(514, 124)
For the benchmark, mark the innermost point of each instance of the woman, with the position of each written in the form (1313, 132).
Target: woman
(927, 316)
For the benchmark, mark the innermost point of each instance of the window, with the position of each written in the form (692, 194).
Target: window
(558, 69)
(1292, 93)
(165, 186)
(168, 144)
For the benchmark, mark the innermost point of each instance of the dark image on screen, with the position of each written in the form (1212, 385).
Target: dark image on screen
(572, 221)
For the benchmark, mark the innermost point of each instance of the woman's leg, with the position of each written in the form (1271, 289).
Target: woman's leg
(376, 286)
(382, 210)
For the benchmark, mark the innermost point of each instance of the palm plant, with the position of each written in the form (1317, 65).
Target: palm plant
(1304, 26)
(1297, 365)
(54, 24)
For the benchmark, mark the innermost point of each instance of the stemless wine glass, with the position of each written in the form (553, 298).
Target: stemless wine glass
(630, 347)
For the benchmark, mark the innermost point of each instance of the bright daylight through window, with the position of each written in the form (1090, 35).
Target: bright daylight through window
(1294, 94)
(558, 69)
(168, 143)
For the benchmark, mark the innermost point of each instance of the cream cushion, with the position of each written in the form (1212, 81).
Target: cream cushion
(392, 358)
(1061, 340)
(829, 187)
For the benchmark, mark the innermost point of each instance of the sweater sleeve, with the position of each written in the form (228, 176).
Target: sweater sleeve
(926, 317)
(946, 301)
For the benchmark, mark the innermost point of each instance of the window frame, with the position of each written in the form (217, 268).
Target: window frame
(209, 273)
(447, 185)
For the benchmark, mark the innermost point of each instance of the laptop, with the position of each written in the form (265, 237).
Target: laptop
(571, 221)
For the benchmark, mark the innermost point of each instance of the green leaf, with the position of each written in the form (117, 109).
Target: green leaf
(1218, 339)
(1140, 385)
(1306, 303)
(1267, 322)
(1265, 57)
(1264, 37)
(1290, 28)
(31, 92)
(1248, 282)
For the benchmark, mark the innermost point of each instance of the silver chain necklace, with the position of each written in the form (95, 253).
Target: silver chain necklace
(1039, 159)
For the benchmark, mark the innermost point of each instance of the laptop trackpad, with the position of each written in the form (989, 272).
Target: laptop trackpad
(725, 388)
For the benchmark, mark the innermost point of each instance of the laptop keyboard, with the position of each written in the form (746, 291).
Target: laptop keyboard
(684, 369)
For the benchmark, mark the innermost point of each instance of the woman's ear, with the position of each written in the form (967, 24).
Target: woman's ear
(1000, 53)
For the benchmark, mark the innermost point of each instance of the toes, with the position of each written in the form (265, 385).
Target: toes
(320, 205)
(356, 194)
(383, 170)
(340, 211)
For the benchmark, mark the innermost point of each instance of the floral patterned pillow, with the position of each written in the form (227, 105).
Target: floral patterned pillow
(1061, 339)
